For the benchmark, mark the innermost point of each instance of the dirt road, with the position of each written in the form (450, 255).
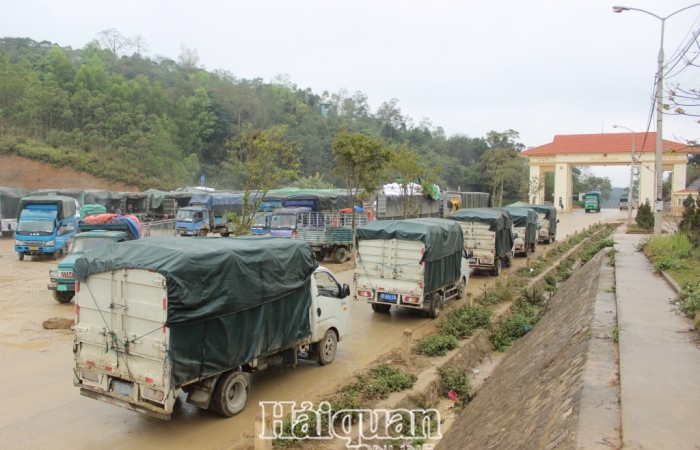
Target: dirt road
(40, 408)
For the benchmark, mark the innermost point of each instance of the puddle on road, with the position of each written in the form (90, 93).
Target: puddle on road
(28, 345)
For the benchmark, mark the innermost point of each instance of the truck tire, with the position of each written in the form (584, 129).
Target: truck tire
(508, 260)
(63, 296)
(327, 348)
(225, 234)
(230, 394)
(21, 256)
(461, 287)
(434, 312)
(340, 255)
(376, 307)
(203, 232)
(319, 256)
(533, 247)
(54, 256)
(496, 271)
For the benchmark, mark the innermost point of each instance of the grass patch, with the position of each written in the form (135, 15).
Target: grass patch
(673, 253)
(462, 322)
(616, 333)
(456, 383)
(610, 254)
(524, 317)
(497, 294)
(689, 298)
(436, 345)
(633, 228)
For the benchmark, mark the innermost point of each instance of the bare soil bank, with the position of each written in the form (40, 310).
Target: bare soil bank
(21, 173)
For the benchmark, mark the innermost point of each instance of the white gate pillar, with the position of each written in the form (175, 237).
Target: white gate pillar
(679, 173)
(562, 187)
(647, 181)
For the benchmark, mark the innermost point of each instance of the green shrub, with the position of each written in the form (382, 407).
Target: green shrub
(676, 246)
(462, 322)
(497, 294)
(534, 295)
(689, 299)
(516, 326)
(667, 263)
(645, 217)
(386, 380)
(436, 345)
(457, 380)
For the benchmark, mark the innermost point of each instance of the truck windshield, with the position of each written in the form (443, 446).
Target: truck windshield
(35, 227)
(87, 244)
(287, 221)
(185, 215)
(623, 199)
(260, 222)
(591, 198)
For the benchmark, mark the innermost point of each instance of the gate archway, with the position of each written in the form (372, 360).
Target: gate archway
(608, 149)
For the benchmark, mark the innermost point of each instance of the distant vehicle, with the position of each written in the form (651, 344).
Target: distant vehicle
(547, 223)
(261, 225)
(592, 201)
(625, 203)
(45, 224)
(329, 233)
(412, 263)
(284, 221)
(143, 335)
(525, 226)
(206, 214)
(488, 237)
(61, 281)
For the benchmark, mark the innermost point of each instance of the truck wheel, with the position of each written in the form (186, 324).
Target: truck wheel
(461, 288)
(327, 348)
(21, 256)
(230, 394)
(376, 307)
(62, 296)
(496, 268)
(319, 256)
(54, 256)
(435, 307)
(340, 255)
(533, 246)
(203, 232)
(225, 234)
(508, 260)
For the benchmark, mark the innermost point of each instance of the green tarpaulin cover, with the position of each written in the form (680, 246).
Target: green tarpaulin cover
(443, 246)
(525, 218)
(229, 299)
(499, 221)
(441, 237)
(550, 213)
(9, 201)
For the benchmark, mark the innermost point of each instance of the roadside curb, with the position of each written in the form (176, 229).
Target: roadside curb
(671, 282)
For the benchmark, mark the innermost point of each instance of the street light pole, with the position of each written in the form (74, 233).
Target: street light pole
(658, 172)
(630, 195)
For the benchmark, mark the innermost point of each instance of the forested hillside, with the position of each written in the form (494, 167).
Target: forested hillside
(159, 122)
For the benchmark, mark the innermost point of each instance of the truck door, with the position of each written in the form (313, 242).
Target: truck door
(331, 309)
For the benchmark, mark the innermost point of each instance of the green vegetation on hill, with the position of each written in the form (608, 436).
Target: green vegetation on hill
(158, 122)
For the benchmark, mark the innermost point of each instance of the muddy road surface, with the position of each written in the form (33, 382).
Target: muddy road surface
(41, 408)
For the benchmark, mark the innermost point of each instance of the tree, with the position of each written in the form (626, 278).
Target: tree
(263, 160)
(414, 177)
(690, 221)
(362, 161)
(113, 40)
(188, 58)
(503, 168)
(535, 186)
(139, 42)
(312, 182)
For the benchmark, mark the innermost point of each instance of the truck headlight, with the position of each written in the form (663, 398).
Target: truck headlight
(50, 243)
(19, 243)
(54, 274)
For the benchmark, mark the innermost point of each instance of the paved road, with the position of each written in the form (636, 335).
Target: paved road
(40, 408)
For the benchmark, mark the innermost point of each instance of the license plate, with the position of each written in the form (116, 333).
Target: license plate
(61, 287)
(388, 297)
(34, 249)
(472, 260)
(122, 388)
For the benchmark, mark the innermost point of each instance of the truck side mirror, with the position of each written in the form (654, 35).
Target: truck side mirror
(346, 290)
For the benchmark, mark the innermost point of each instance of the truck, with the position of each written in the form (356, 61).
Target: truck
(44, 225)
(92, 236)
(413, 263)
(625, 203)
(451, 201)
(329, 234)
(488, 237)
(9, 209)
(206, 214)
(261, 225)
(285, 220)
(592, 201)
(547, 214)
(525, 226)
(147, 326)
(391, 207)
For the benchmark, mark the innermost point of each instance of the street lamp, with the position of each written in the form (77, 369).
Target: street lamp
(630, 196)
(659, 111)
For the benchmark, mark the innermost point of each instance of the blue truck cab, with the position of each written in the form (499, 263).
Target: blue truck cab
(284, 221)
(61, 281)
(44, 225)
(261, 225)
(205, 214)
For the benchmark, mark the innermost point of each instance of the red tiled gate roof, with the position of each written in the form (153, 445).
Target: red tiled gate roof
(604, 143)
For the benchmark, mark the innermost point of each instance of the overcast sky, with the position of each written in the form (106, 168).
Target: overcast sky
(539, 67)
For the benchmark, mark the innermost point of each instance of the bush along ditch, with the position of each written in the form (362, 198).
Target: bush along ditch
(457, 386)
(375, 384)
